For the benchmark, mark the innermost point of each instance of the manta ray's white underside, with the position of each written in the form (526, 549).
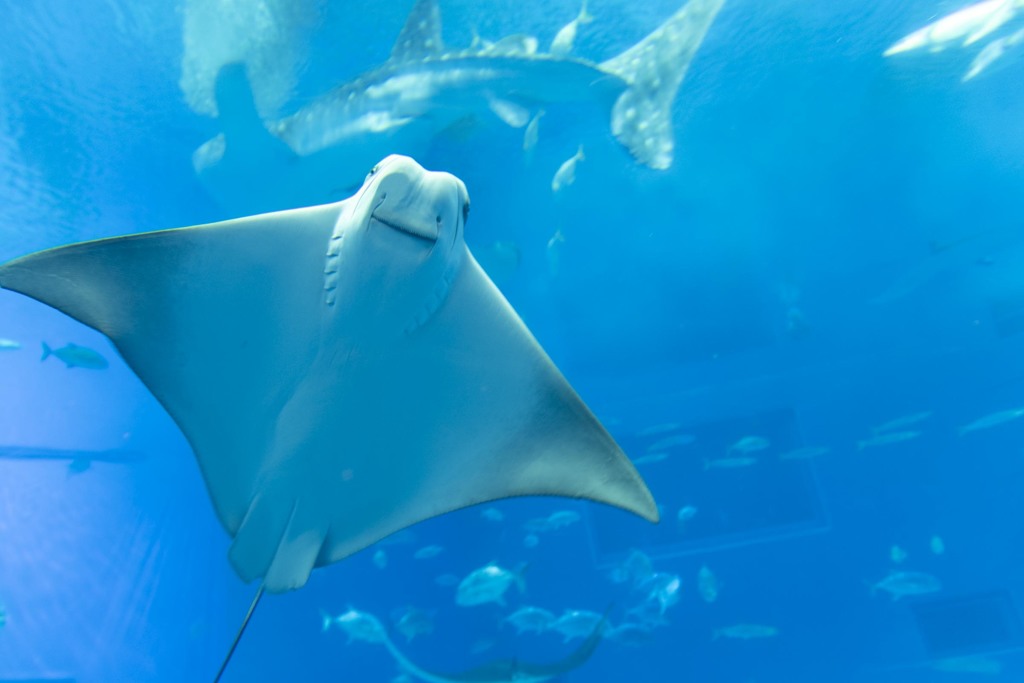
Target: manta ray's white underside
(341, 371)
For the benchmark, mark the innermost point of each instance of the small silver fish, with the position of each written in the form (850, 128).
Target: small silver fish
(412, 622)
(9, 345)
(937, 545)
(750, 444)
(428, 552)
(553, 522)
(531, 541)
(380, 559)
(635, 569)
(532, 133)
(993, 420)
(554, 253)
(566, 173)
(357, 625)
(75, 356)
(655, 430)
(493, 515)
(897, 554)
(685, 514)
(901, 584)
(707, 584)
(651, 458)
(902, 422)
(886, 438)
(576, 623)
(530, 619)
(566, 36)
(488, 584)
(969, 664)
(805, 453)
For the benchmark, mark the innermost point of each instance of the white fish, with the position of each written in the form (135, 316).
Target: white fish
(358, 625)
(969, 664)
(663, 589)
(901, 584)
(805, 453)
(488, 584)
(380, 559)
(993, 420)
(412, 622)
(937, 545)
(658, 429)
(553, 522)
(576, 623)
(428, 552)
(672, 442)
(886, 439)
(493, 515)
(9, 345)
(510, 113)
(745, 632)
(635, 569)
(554, 253)
(991, 52)
(566, 36)
(685, 514)
(707, 584)
(750, 444)
(651, 458)
(566, 173)
(533, 619)
(897, 554)
(532, 133)
(902, 422)
(966, 25)
(75, 356)
(515, 45)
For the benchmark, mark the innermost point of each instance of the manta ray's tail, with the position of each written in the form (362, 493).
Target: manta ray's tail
(654, 68)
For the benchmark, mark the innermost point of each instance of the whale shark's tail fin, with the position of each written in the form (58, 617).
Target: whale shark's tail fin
(654, 68)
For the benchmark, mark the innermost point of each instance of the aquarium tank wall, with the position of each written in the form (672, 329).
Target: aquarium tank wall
(509, 340)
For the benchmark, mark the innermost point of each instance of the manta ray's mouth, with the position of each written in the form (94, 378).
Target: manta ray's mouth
(410, 230)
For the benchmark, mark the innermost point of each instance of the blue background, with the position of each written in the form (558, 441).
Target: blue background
(880, 198)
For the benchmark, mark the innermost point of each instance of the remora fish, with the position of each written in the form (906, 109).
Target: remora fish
(321, 152)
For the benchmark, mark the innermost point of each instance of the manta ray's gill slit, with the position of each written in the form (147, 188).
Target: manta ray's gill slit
(331, 266)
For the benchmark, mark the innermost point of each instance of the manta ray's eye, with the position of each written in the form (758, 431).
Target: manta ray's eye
(465, 212)
(373, 171)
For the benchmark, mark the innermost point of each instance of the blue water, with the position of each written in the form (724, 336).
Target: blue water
(837, 244)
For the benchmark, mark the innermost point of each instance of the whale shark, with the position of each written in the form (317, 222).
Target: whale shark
(321, 152)
(341, 372)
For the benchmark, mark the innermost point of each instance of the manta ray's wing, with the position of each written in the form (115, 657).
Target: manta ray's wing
(495, 416)
(204, 316)
(314, 442)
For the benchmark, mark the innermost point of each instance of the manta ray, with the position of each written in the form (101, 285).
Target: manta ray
(341, 371)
